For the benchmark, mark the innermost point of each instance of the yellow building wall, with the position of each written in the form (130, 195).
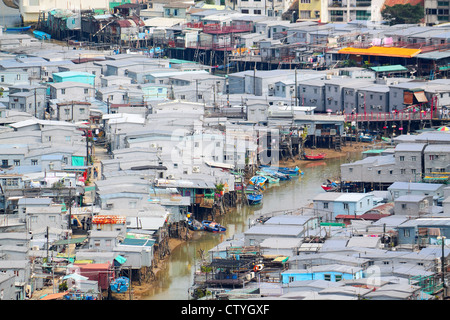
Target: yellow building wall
(313, 6)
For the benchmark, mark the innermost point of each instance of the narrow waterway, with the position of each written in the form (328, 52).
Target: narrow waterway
(173, 282)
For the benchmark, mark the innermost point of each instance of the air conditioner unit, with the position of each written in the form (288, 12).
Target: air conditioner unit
(170, 177)
(271, 86)
(196, 169)
(328, 76)
(154, 145)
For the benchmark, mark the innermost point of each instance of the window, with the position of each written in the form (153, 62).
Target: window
(325, 205)
(350, 169)
(4, 163)
(404, 206)
(403, 171)
(291, 279)
(346, 206)
(17, 162)
(82, 110)
(63, 91)
(402, 158)
(406, 233)
(338, 277)
(86, 91)
(34, 162)
(413, 158)
(413, 171)
(327, 277)
(257, 11)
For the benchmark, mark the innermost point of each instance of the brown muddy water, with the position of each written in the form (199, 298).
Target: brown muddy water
(174, 281)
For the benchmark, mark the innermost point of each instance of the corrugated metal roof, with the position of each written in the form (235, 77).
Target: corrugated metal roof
(415, 186)
(417, 147)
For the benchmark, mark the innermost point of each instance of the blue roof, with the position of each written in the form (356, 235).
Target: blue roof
(73, 74)
(138, 242)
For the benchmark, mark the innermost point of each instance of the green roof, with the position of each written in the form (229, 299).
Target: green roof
(176, 61)
(392, 68)
(69, 241)
(374, 151)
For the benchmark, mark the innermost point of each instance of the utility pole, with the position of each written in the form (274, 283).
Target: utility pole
(444, 287)
(35, 104)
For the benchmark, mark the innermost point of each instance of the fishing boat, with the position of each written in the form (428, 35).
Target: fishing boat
(365, 138)
(41, 35)
(254, 198)
(258, 181)
(318, 156)
(120, 285)
(18, 29)
(285, 170)
(195, 225)
(277, 174)
(212, 226)
(290, 171)
(330, 186)
(270, 179)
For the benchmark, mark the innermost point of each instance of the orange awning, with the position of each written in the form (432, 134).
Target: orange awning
(382, 51)
(420, 96)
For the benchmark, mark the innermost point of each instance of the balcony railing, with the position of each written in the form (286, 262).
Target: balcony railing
(217, 28)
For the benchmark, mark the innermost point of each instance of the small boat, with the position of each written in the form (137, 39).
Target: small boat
(318, 156)
(259, 181)
(285, 170)
(120, 285)
(270, 179)
(18, 29)
(330, 186)
(195, 225)
(254, 198)
(212, 226)
(277, 174)
(365, 138)
(41, 35)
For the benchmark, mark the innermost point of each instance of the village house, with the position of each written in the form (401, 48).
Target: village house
(72, 111)
(7, 289)
(399, 188)
(423, 232)
(69, 91)
(413, 205)
(408, 160)
(41, 217)
(330, 272)
(339, 205)
(21, 271)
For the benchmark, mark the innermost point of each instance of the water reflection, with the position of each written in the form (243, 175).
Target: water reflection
(174, 281)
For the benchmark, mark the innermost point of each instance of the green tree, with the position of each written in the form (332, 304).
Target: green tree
(403, 14)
